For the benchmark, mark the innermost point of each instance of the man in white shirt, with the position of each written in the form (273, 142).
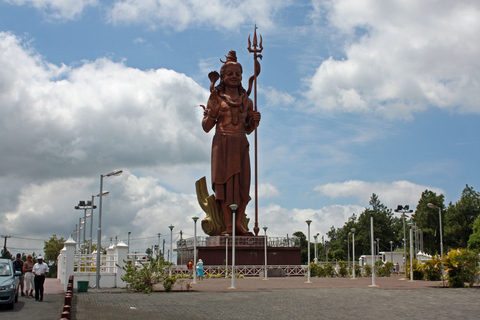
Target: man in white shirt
(39, 270)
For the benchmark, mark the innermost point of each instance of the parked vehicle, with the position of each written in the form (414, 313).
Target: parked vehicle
(8, 290)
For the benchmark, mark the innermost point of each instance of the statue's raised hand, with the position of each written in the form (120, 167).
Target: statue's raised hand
(214, 103)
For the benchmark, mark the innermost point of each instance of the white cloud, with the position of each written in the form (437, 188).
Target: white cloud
(182, 14)
(97, 116)
(401, 58)
(277, 98)
(390, 194)
(281, 221)
(58, 9)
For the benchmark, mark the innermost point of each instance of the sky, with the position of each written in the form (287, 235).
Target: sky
(356, 97)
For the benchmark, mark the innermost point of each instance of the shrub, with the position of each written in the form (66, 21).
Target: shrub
(358, 270)
(432, 269)
(385, 270)
(417, 270)
(367, 270)
(142, 278)
(328, 270)
(461, 266)
(342, 269)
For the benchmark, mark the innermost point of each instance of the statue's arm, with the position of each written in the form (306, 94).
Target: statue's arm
(253, 118)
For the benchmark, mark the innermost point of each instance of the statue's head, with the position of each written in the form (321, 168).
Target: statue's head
(231, 59)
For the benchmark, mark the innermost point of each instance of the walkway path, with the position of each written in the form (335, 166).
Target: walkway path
(27, 308)
(287, 298)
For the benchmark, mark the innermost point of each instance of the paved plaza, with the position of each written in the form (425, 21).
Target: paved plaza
(276, 298)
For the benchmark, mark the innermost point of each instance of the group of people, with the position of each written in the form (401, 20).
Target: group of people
(32, 278)
(199, 268)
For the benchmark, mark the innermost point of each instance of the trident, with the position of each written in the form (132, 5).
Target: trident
(257, 49)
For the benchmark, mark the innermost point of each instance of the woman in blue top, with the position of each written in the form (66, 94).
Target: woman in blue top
(200, 268)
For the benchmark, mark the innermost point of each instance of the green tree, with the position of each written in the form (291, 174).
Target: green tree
(52, 249)
(459, 219)
(302, 242)
(427, 219)
(474, 240)
(386, 227)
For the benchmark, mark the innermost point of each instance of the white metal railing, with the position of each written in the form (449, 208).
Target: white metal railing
(245, 270)
(85, 263)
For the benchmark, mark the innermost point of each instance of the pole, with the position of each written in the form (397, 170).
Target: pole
(91, 226)
(308, 250)
(99, 235)
(256, 72)
(84, 230)
(194, 249)
(411, 253)
(226, 256)
(441, 235)
(353, 251)
(404, 247)
(234, 208)
(348, 255)
(265, 241)
(171, 251)
(372, 247)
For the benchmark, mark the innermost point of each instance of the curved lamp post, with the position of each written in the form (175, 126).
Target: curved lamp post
(234, 208)
(99, 235)
(308, 250)
(195, 249)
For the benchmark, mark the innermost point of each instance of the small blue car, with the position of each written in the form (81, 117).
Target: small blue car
(8, 291)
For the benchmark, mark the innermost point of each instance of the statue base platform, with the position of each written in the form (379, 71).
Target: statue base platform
(248, 251)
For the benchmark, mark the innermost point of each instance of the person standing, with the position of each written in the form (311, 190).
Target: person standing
(39, 270)
(200, 268)
(190, 268)
(28, 273)
(18, 266)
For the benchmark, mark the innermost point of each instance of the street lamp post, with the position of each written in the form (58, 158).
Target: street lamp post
(315, 260)
(353, 251)
(195, 249)
(348, 255)
(308, 250)
(265, 273)
(431, 205)
(391, 251)
(403, 210)
(105, 193)
(99, 234)
(234, 208)
(411, 250)
(171, 250)
(129, 233)
(372, 247)
(226, 255)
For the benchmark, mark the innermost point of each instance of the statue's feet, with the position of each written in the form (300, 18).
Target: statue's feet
(239, 230)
